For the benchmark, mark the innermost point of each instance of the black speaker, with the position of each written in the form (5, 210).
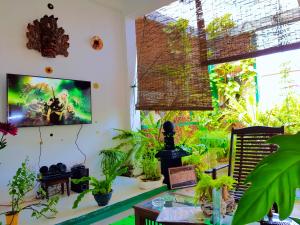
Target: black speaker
(79, 171)
(62, 167)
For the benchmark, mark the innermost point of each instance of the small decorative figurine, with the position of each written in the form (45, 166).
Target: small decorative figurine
(97, 43)
(169, 135)
(45, 36)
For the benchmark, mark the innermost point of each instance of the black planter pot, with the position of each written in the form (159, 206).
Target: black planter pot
(103, 199)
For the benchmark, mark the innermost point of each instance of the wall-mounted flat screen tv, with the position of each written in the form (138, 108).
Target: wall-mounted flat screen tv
(44, 101)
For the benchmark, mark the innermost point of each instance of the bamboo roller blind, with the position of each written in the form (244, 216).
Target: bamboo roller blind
(176, 43)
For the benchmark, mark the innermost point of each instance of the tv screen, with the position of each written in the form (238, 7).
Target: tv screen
(43, 101)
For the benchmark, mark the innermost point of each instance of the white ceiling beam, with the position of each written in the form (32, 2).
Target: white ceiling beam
(135, 8)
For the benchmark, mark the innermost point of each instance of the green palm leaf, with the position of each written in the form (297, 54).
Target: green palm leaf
(274, 179)
(79, 198)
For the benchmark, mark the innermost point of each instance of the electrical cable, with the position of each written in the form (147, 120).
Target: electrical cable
(41, 142)
(24, 202)
(78, 148)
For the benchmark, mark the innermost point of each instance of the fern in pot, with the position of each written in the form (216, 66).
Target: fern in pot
(151, 177)
(112, 166)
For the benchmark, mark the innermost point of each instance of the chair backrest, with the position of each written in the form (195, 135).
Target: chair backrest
(251, 148)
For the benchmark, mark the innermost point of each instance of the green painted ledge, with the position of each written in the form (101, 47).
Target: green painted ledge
(113, 209)
(296, 220)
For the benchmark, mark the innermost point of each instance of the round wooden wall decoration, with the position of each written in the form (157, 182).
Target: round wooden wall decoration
(97, 43)
(48, 69)
(96, 85)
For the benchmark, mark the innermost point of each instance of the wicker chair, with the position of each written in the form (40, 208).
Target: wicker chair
(250, 148)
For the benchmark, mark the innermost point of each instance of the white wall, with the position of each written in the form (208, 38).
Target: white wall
(111, 103)
(132, 71)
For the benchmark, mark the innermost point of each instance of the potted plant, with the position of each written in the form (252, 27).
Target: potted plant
(136, 145)
(21, 184)
(204, 193)
(141, 146)
(274, 180)
(128, 142)
(151, 176)
(101, 189)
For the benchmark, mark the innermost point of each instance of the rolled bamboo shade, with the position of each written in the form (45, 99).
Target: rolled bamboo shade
(258, 27)
(170, 76)
(173, 56)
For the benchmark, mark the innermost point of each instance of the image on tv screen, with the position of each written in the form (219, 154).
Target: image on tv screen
(41, 101)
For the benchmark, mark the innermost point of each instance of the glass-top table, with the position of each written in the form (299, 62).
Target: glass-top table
(171, 199)
(147, 213)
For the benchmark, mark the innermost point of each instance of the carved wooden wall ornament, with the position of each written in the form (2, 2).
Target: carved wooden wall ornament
(45, 36)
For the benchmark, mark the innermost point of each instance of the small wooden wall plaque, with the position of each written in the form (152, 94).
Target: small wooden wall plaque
(183, 176)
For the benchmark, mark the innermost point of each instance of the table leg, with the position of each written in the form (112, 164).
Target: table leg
(139, 220)
(68, 188)
(46, 190)
(62, 188)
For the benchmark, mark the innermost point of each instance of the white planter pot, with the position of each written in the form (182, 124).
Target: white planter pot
(146, 185)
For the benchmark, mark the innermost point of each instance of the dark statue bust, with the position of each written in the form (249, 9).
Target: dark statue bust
(170, 156)
(169, 135)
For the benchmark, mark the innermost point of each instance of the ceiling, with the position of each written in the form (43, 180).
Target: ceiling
(135, 8)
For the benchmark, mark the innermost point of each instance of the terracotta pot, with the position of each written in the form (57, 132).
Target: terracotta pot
(146, 185)
(12, 219)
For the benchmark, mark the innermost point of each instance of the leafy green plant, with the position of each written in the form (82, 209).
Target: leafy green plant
(179, 43)
(210, 120)
(219, 25)
(212, 146)
(288, 112)
(226, 181)
(274, 180)
(111, 168)
(140, 145)
(287, 116)
(245, 111)
(150, 166)
(203, 190)
(202, 160)
(233, 80)
(231, 84)
(216, 141)
(178, 38)
(21, 184)
(135, 142)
